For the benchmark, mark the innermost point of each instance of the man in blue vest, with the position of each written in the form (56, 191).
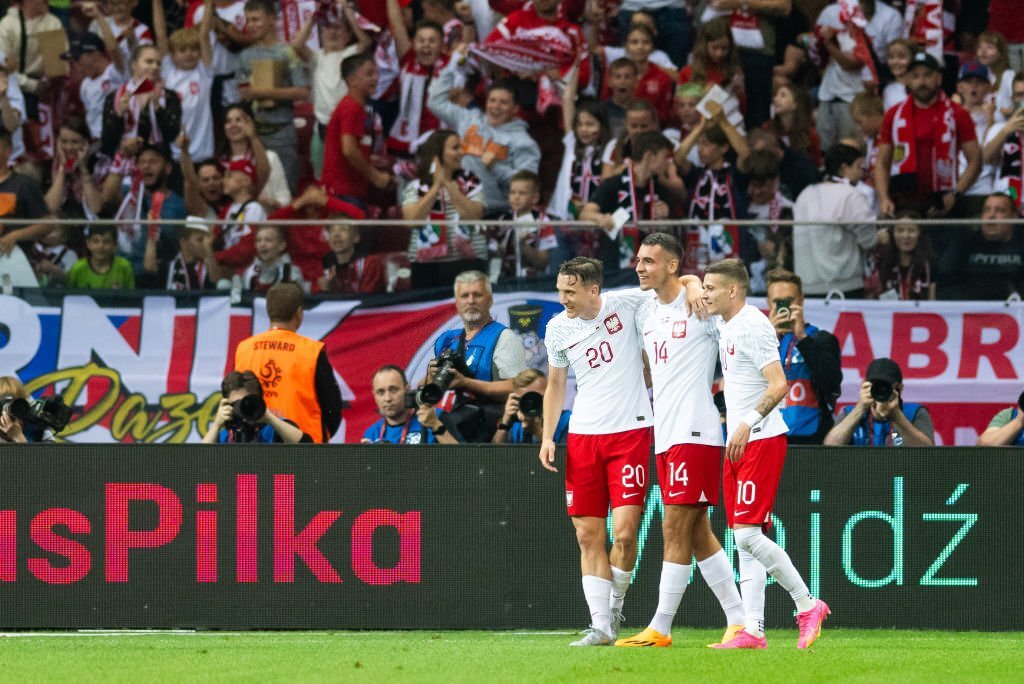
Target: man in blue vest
(810, 359)
(400, 423)
(881, 417)
(1006, 427)
(480, 358)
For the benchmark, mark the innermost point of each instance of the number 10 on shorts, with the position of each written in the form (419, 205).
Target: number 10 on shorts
(746, 491)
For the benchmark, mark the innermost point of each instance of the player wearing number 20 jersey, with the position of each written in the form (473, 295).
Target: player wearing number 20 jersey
(755, 452)
(609, 433)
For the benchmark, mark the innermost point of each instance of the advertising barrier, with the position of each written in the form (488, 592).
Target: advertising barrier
(369, 537)
(148, 368)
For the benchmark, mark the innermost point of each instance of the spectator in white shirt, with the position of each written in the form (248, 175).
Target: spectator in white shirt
(100, 77)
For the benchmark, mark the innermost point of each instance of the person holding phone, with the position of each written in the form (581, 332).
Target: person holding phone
(1003, 144)
(810, 358)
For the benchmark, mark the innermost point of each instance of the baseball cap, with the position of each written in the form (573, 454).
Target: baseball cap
(84, 43)
(246, 167)
(884, 369)
(973, 69)
(925, 60)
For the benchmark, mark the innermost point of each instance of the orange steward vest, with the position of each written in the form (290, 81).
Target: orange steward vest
(285, 363)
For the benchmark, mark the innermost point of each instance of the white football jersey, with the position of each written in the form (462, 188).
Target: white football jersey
(193, 88)
(682, 352)
(746, 344)
(605, 355)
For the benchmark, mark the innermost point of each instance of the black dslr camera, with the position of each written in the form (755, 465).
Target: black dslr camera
(50, 413)
(448, 363)
(249, 409)
(531, 404)
(882, 391)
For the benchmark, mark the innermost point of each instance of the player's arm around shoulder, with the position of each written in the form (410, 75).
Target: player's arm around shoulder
(554, 400)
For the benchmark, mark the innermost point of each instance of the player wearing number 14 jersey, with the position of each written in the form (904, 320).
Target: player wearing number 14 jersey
(682, 351)
(609, 433)
(755, 452)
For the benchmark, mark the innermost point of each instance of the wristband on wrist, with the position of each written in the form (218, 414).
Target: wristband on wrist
(753, 418)
(504, 426)
(440, 429)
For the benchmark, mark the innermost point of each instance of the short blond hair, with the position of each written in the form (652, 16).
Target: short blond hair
(11, 386)
(733, 270)
(526, 377)
(184, 38)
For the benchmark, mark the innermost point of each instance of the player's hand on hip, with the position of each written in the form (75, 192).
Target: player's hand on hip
(737, 443)
(547, 455)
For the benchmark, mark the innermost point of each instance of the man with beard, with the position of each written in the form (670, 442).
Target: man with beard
(484, 357)
(921, 140)
(147, 196)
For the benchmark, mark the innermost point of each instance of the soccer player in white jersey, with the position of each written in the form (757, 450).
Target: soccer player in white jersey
(609, 433)
(755, 452)
(682, 351)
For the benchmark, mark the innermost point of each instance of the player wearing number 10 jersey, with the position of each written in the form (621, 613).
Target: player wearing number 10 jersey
(755, 452)
(682, 351)
(609, 433)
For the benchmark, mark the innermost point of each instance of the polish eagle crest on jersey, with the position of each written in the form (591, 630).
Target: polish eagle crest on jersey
(612, 324)
(678, 330)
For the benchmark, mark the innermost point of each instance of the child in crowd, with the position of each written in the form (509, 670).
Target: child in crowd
(443, 13)
(99, 75)
(640, 118)
(522, 252)
(186, 69)
(715, 59)
(770, 245)
(794, 122)
(233, 241)
(74, 190)
(867, 112)
(340, 37)
(994, 52)
(898, 59)
(712, 191)
(191, 267)
(686, 114)
(345, 269)
(622, 80)
(973, 89)
(272, 106)
(241, 142)
(51, 258)
(422, 61)
(904, 261)
(614, 52)
(102, 269)
(272, 264)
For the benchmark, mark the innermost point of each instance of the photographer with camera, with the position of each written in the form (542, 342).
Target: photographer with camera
(523, 420)
(407, 416)
(477, 362)
(243, 418)
(26, 420)
(810, 358)
(1006, 428)
(881, 417)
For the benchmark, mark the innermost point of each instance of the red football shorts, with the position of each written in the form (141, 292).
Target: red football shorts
(606, 468)
(689, 474)
(750, 484)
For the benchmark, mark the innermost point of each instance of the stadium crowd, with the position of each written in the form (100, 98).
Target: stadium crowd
(223, 114)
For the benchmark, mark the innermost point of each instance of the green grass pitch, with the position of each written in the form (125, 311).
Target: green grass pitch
(841, 655)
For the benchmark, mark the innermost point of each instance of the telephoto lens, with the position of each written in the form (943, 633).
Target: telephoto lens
(250, 408)
(881, 391)
(531, 404)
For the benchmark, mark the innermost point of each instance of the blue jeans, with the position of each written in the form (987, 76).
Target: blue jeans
(674, 32)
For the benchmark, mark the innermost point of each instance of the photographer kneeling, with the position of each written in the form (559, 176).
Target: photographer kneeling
(881, 417)
(243, 417)
(477, 362)
(399, 423)
(523, 420)
(24, 420)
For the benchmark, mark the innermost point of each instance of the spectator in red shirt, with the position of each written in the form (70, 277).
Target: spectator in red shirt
(715, 59)
(655, 85)
(920, 143)
(347, 271)
(348, 171)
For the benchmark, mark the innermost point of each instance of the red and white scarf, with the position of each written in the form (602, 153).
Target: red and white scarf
(904, 154)
(929, 24)
(854, 26)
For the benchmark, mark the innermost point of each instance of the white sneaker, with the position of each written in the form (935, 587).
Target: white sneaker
(618, 619)
(594, 637)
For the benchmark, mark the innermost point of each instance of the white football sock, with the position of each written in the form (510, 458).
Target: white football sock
(597, 591)
(620, 583)
(777, 563)
(753, 581)
(674, 578)
(717, 572)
